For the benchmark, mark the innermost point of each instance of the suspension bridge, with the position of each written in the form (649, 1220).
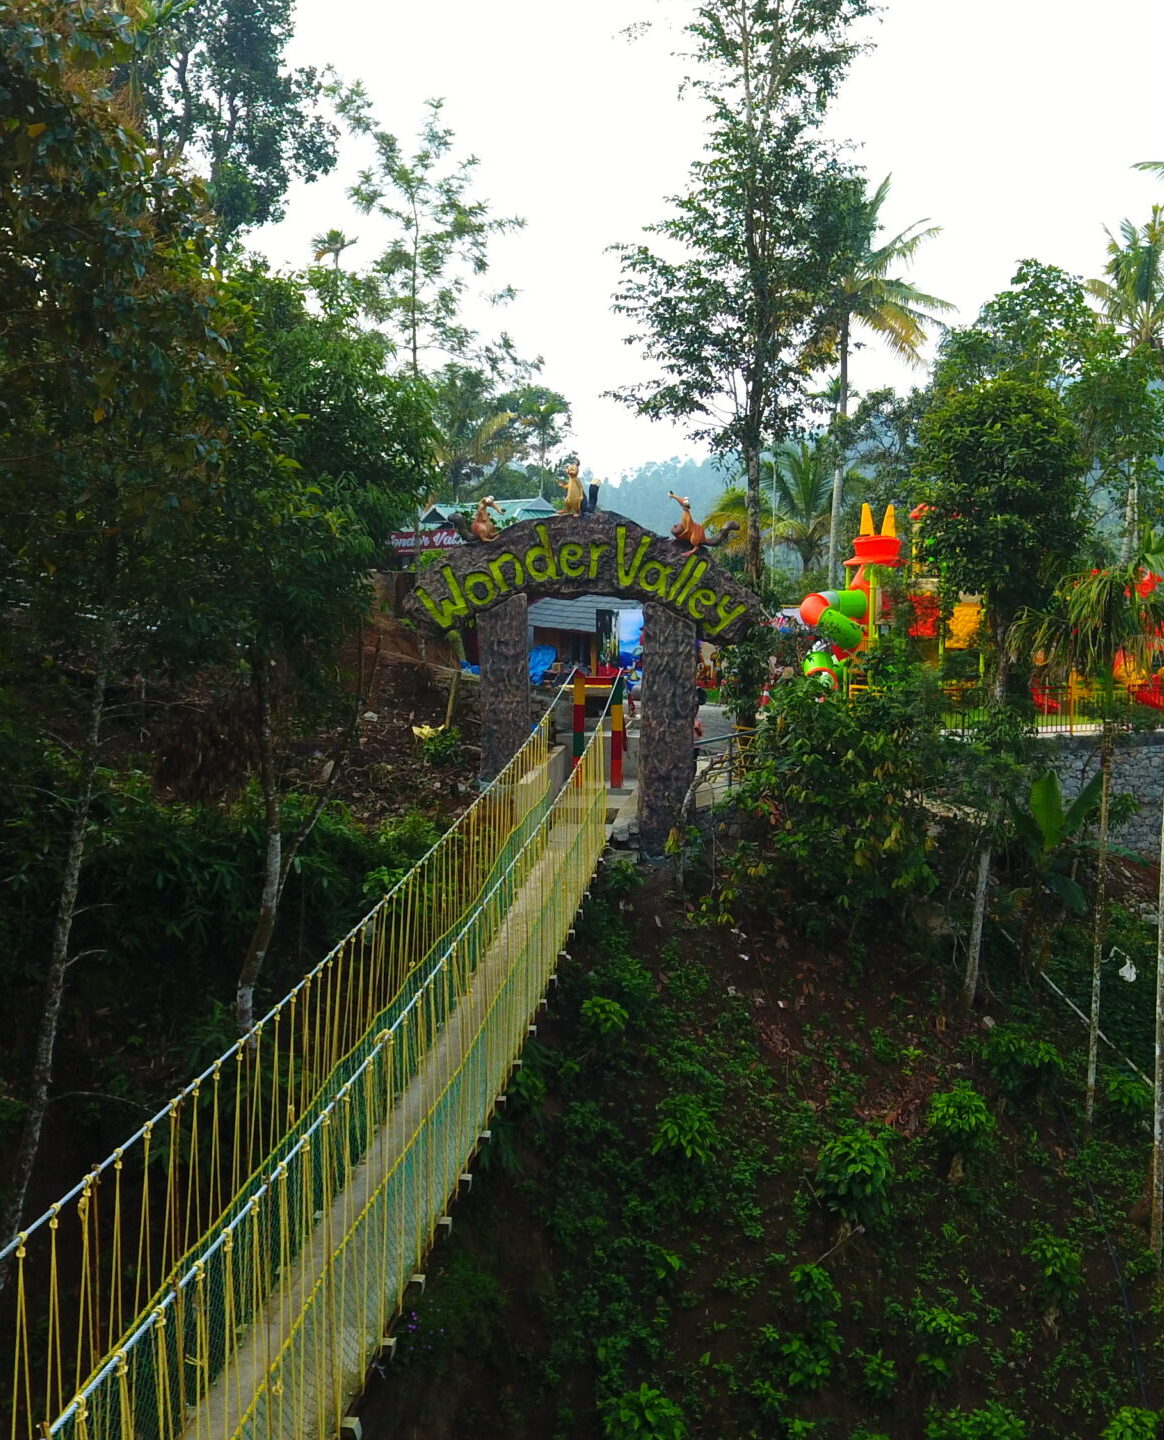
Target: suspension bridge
(233, 1268)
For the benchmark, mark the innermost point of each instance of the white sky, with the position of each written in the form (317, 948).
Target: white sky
(1013, 124)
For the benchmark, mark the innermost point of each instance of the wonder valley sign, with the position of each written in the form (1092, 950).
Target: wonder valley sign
(600, 554)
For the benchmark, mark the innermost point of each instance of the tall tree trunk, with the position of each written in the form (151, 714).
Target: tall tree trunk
(974, 943)
(58, 963)
(1099, 918)
(753, 566)
(982, 881)
(842, 411)
(1156, 1224)
(280, 853)
(244, 1001)
(1131, 520)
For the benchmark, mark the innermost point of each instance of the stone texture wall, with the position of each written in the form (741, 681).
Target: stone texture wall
(1139, 771)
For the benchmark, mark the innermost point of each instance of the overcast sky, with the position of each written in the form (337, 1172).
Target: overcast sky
(1012, 124)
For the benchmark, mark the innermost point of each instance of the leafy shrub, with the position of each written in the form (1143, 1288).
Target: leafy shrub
(815, 1291)
(1020, 1063)
(685, 1128)
(832, 793)
(1060, 1268)
(626, 979)
(603, 1017)
(878, 1374)
(959, 1118)
(809, 1358)
(1130, 1422)
(854, 1173)
(1128, 1097)
(991, 1422)
(945, 1336)
(441, 748)
(642, 1414)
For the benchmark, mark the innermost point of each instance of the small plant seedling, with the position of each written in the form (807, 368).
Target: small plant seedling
(685, 1128)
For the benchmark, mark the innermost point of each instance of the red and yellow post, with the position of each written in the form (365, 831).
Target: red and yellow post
(617, 734)
(579, 716)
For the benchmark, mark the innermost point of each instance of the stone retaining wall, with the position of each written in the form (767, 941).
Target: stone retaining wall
(1139, 770)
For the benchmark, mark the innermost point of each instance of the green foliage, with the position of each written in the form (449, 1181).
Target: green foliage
(815, 1292)
(835, 791)
(213, 85)
(1002, 482)
(603, 1017)
(854, 1173)
(452, 1322)
(685, 1128)
(760, 234)
(1130, 1422)
(945, 1337)
(960, 1119)
(1059, 1266)
(1019, 1062)
(439, 237)
(1128, 1097)
(808, 1359)
(992, 1422)
(878, 1374)
(443, 748)
(642, 1414)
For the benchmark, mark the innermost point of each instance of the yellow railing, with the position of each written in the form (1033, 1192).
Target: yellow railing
(251, 1242)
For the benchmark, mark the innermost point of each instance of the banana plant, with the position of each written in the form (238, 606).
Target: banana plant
(1050, 835)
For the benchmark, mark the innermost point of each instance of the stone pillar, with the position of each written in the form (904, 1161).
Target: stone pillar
(666, 754)
(502, 641)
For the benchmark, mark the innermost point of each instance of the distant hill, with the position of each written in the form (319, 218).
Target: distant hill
(642, 496)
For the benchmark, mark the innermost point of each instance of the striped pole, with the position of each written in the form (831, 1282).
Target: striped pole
(617, 734)
(579, 716)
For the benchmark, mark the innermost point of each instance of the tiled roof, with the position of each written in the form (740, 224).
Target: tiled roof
(531, 508)
(580, 614)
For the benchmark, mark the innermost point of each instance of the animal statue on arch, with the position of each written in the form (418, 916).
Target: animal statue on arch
(577, 501)
(482, 528)
(689, 531)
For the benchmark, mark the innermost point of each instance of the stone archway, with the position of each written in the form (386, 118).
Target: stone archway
(683, 594)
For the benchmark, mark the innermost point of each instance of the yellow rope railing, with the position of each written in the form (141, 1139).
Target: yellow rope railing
(177, 1239)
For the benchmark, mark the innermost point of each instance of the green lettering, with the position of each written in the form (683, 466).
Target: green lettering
(660, 578)
(499, 578)
(541, 552)
(699, 602)
(692, 580)
(726, 614)
(626, 577)
(596, 551)
(448, 609)
(570, 559)
(479, 581)
(681, 577)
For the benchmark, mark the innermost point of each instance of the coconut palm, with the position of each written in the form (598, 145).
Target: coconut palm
(331, 242)
(474, 434)
(800, 480)
(1132, 296)
(890, 307)
(1093, 619)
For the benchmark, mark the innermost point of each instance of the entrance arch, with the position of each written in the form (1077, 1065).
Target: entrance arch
(683, 593)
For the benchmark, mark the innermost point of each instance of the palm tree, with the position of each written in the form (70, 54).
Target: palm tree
(1092, 619)
(1132, 298)
(474, 433)
(1133, 294)
(801, 480)
(333, 243)
(803, 488)
(892, 308)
